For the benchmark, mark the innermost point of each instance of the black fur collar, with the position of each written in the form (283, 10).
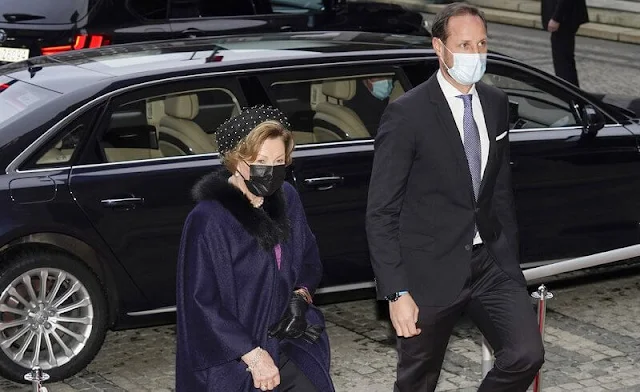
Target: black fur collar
(268, 224)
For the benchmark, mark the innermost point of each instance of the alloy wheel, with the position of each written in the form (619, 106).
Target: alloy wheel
(46, 318)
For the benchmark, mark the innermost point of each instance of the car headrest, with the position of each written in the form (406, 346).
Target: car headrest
(340, 89)
(182, 106)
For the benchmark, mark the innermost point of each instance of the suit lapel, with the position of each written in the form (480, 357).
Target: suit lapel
(491, 122)
(450, 129)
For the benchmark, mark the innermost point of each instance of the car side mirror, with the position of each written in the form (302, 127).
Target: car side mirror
(592, 120)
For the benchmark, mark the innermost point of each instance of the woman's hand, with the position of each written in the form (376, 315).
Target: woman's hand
(265, 373)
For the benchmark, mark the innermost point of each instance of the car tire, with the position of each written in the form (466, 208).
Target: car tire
(68, 331)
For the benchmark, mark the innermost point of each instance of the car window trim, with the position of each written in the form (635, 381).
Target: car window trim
(14, 165)
(301, 149)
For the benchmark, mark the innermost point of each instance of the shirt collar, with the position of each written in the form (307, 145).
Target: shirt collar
(448, 89)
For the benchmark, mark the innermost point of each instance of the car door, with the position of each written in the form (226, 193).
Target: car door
(575, 181)
(207, 18)
(333, 158)
(133, 20)
(135, 184)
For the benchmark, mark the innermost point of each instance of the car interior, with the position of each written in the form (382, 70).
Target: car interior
(322, 110)
(531, 107)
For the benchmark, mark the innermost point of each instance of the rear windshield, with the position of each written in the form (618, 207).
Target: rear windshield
(43, 11)
(18, 97)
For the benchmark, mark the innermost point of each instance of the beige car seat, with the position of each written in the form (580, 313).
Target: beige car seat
(178, 132)
(332, 117)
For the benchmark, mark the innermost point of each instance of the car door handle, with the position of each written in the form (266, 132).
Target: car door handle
(323, 183)
(191, 32)
(125, 202)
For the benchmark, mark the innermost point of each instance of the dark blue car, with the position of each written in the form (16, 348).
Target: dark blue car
(99, 149)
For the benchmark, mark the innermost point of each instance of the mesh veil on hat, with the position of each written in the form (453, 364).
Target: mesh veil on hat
(232, 131)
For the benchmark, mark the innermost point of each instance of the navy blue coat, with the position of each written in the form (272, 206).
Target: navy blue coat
(230, 290)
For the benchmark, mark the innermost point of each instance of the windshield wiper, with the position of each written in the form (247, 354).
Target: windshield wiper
(17, 17)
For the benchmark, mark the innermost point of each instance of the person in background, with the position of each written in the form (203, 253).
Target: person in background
(441, 221)
(370, 100)
(247, 269)
(562, 18)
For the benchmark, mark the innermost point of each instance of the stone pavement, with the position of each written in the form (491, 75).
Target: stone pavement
(591, 343)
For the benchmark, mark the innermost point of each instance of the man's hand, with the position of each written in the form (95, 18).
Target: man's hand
(404, 316)
(553, 26)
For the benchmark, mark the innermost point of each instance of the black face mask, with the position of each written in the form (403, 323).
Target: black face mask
(264, 180)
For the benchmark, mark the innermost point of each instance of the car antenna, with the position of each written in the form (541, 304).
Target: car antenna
(32, 68)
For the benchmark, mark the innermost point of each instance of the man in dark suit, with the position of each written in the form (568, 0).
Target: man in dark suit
(562, 18)
(441, 220)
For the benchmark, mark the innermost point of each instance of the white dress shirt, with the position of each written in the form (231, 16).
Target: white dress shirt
(457, 109)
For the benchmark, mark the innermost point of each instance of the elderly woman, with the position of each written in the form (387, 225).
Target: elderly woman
(247, 268)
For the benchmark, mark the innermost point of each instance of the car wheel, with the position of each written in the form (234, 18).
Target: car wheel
(53, 314)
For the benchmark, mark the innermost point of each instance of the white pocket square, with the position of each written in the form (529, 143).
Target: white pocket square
(502, 135)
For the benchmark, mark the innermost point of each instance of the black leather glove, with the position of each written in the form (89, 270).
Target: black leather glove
(293, 323)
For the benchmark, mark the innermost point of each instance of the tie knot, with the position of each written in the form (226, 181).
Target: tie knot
(466, 98)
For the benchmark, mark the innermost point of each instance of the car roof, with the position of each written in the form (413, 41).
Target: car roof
(157, 57)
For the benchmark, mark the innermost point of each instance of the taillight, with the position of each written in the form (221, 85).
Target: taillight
(55, 49)
(91, 41)
(4, 86)
(82, 41)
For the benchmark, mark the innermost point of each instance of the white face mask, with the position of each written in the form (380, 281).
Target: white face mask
(468, 68)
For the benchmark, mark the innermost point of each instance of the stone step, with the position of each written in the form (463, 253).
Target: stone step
(526, 15)
(532, 20)
(608, 16)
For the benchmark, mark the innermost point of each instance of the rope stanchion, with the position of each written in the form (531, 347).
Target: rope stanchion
(542, 295)
(36, 377)
(487, 357)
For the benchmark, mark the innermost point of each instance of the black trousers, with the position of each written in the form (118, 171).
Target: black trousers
(501, 308)
(291, 377)
(563, 48)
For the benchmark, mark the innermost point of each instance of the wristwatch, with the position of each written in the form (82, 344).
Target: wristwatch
(394, 297)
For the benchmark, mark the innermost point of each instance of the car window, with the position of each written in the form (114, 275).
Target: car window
(296, 6)
(62, 149)
(159, 126)
(149, 9)
(335, 109)
(179, 9)
(535, 103)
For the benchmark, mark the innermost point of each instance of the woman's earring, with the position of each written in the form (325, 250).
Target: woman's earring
(237, 174)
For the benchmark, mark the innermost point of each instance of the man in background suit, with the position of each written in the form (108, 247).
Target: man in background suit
(562, 18)
(441, 220)
(372, 97)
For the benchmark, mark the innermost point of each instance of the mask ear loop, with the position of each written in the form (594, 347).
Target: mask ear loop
(238, 171)
(444, 62)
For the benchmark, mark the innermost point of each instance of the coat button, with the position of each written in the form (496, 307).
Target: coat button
(467, 247)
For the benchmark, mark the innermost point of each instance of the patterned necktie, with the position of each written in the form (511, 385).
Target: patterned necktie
(471, 143)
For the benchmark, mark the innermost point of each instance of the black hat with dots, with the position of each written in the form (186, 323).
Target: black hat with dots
(232, 131)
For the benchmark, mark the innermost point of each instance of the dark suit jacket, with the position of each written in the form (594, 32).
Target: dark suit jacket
(569, 13)
(421, 209)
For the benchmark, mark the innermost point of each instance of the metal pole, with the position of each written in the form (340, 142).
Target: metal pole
(36, 376)
(487, 357)
(581, 263)
(542, 295)
(555, 269)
